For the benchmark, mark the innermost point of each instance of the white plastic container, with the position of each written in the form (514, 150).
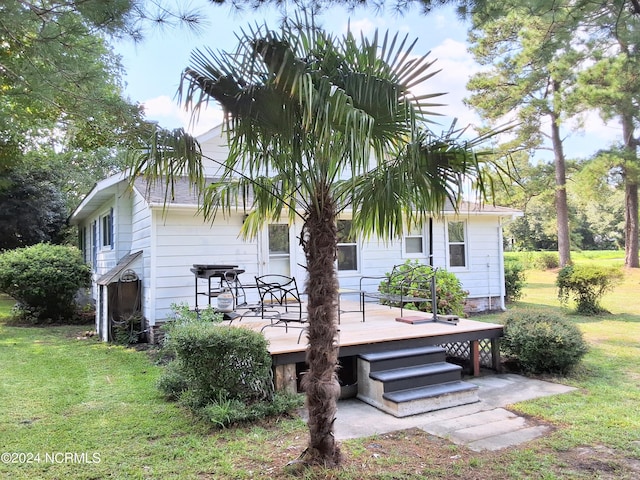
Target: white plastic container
(226, 301)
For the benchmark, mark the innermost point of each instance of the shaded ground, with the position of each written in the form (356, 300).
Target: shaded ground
(413, 454)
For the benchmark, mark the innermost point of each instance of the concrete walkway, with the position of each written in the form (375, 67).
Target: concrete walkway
(485, 425)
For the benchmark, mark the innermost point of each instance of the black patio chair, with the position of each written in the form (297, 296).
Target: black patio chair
(281, 303)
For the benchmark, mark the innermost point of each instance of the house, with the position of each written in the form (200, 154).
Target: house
(139, 242)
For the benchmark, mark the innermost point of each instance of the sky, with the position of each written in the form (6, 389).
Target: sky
(153, 67)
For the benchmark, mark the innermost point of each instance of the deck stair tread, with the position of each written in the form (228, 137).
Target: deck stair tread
(412, 380)
(406, 352)
(430, 391)
(415, 371)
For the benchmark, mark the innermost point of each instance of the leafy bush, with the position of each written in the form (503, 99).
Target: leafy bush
(126, 331)
(587, 284)
(451, 296)
(227, 412)
(514, 279)
(223, 362)
(546, 261)
(222, 373)
(44, 279)
(542, 342)
(182, 313)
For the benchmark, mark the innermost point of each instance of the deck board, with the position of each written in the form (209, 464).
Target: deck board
(379, 331)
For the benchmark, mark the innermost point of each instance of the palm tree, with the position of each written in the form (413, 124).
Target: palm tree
(318, 124)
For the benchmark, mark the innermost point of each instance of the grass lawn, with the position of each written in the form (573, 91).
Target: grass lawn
(62, 393)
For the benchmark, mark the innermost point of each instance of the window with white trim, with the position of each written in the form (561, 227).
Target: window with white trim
(414, 242)
(347, 247)
(83, 243)
(457, 239)
(106, 224)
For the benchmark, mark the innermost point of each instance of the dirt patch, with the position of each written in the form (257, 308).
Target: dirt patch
(414, 454)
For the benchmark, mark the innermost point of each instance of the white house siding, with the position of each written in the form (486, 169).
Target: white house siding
(106, 257)
(183, 239)
(482, 277)
(123, 222)
(141, 241)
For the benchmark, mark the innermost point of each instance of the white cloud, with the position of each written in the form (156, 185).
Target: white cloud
(169, 114)
(456, 65)
(364, 25)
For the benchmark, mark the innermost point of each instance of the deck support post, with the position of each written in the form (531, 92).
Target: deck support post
(285, 379)
(495, 355)
(474, 349)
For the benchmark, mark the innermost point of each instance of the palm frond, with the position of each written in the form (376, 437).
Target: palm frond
(168, 156)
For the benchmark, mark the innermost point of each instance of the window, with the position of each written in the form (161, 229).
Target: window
(83, 243)
(279, 249)
(457, 244)
(94, 244)
(347, 247)
(414, 242)
(107, 230)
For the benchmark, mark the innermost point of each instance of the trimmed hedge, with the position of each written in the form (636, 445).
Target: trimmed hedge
(514, 278)
(587, 284)
(223, 373)
(44, 279)
(541, 342)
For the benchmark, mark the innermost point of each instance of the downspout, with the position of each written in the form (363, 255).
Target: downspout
(503, 292)
(431, 242)
(489, 279)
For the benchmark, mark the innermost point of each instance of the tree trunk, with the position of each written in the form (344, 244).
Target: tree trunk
(630, 195)
(320, 382)
(631, 224)
(562, 211)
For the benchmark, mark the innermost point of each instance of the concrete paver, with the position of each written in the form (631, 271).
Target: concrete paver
(485, 425)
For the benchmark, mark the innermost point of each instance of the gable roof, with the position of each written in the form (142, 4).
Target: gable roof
(101, 192)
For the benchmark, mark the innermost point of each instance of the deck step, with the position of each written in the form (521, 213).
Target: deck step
(412, 381)
(430, 391)
(428, 399)
(417, 376)
(404, 358)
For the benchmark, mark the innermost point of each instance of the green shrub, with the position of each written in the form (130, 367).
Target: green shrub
(182, 313)
(223, 362)
(173, 381)
(222, 373)
(227, 412)
(451, 296)
(514, 279)
(541, 342)
(44, 280)
(587, 284)
(546, 261)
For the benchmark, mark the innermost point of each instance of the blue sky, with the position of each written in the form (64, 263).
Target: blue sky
(153, 67)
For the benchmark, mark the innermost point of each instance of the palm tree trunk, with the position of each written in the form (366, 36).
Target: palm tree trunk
(320, 382)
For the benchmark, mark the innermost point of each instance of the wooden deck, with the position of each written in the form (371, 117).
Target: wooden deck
(381, 332)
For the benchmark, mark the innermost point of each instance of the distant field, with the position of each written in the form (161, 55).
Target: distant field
(599, 257)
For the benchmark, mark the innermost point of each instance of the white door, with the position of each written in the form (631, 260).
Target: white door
(276, 249)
